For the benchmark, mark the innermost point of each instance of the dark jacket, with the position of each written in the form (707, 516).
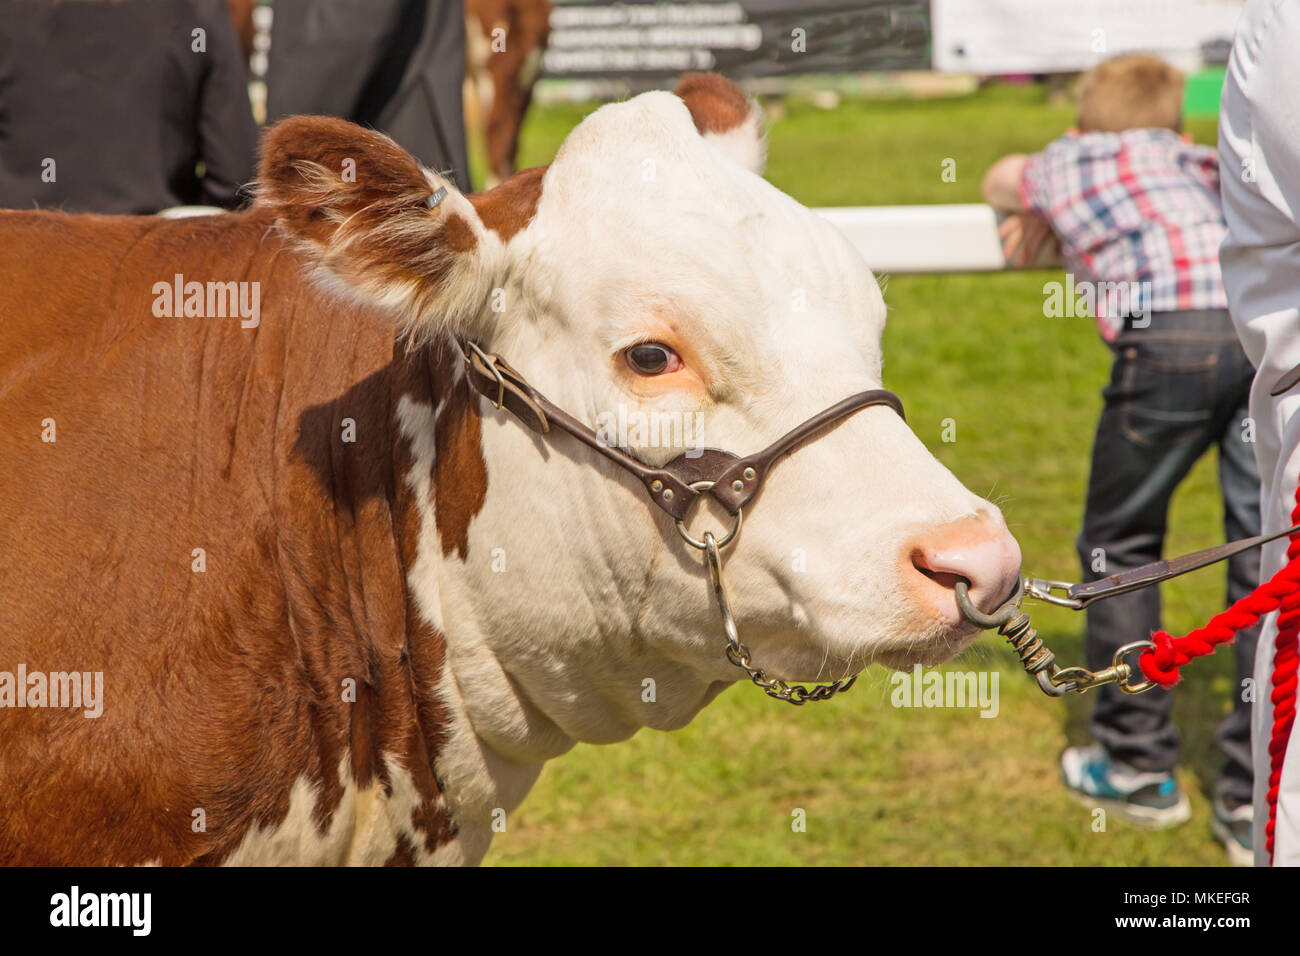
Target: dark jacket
(109, 106)
(395, 65)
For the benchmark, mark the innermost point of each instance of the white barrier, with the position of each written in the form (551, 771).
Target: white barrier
(899, 239)
(893, 239)
(185, 212)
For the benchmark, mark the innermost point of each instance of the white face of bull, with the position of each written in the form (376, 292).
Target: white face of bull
(574, 590)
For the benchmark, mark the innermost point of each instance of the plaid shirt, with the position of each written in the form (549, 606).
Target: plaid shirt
(1137, 206)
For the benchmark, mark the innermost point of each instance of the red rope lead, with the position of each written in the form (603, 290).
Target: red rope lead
(1280, 593)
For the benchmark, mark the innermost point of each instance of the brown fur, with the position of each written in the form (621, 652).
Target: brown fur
(512, 205)
(222, 687)
(356, 202)
(717, 105)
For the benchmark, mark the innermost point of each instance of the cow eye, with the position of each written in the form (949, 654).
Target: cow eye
(652, 358)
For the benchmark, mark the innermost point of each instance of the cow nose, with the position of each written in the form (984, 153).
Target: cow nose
(979, 550)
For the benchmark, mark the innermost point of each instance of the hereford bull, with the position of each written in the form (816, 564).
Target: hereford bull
(337, 607)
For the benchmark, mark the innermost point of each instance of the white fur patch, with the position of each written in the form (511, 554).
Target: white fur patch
(364, 830)
(477, 782)
(745, 143)
(359, 832)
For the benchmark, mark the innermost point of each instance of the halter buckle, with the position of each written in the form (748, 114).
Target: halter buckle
(490, 363)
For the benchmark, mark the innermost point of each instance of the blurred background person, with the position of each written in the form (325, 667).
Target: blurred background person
(1135, 205)
(397, 66)
(129, 106)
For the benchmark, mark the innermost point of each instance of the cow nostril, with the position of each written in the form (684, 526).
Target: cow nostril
(984, 556)
(946, 579)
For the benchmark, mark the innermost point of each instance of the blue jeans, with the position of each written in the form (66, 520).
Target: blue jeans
(1177, 388)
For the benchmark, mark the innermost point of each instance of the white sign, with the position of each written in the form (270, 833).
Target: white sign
(1057, 36)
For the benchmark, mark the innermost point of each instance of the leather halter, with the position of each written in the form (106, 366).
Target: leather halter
(732, 481)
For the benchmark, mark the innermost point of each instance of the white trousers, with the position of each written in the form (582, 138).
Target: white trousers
(1259, 157)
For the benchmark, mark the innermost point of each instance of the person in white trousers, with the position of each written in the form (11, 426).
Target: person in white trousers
(1259, 160)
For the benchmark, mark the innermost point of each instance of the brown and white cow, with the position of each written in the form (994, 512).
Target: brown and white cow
(504, 44)
(342, 608)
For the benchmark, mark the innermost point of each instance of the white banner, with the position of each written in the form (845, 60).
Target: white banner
(1057, 36)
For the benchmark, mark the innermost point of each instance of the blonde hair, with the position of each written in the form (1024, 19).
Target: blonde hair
(1133, 91)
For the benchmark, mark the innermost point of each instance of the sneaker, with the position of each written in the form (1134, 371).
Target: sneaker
(1232, 827)
(1153, 801)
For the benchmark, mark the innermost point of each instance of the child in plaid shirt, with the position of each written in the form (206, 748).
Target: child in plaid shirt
(1135, 207)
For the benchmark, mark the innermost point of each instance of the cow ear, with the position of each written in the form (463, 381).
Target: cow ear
(726, 117)
(361, 209)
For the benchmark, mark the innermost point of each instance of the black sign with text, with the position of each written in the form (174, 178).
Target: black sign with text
(652, 39)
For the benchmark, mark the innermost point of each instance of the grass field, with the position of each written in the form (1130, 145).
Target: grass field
(909, 786)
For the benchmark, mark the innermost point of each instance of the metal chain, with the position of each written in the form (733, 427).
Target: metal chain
(739, 654)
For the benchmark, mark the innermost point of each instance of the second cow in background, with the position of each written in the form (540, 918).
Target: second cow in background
(505, 40)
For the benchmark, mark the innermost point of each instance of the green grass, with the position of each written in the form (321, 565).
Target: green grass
(882, 785)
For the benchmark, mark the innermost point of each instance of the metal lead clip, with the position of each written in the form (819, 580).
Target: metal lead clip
(1013, 623)
(1079, 596)
(1041, 590)
(1038, 660)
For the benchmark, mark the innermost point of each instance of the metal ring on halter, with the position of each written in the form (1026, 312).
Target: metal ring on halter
(696, 542)
(1118, 661)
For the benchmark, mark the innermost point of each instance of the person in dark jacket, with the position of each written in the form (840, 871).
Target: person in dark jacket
(397, 66)
(129, 106)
